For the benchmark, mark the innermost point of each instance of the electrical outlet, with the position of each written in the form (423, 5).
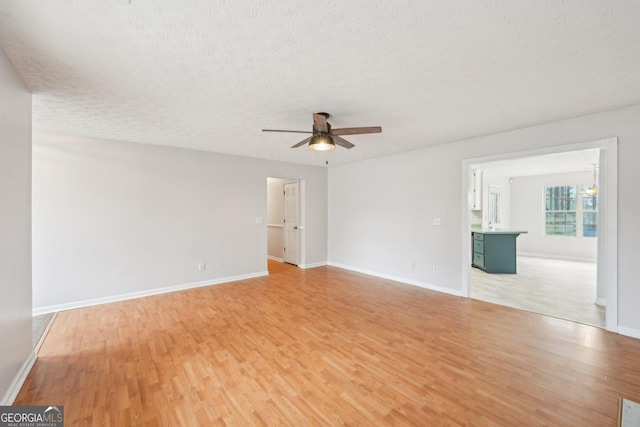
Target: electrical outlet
(435, 268)
(201, 266)
(436, 221)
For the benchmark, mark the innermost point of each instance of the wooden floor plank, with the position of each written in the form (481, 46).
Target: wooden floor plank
(326, 346)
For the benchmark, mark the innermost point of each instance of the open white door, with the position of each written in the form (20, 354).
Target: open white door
(291, 223)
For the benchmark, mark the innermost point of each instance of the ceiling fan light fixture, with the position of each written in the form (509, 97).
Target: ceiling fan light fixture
(322, 143)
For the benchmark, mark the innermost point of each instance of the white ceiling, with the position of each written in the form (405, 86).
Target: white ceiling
(573, 161)
(210, 74)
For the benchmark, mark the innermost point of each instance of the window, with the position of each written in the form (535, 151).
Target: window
(567, 211)
(589, 212)
(560, 210)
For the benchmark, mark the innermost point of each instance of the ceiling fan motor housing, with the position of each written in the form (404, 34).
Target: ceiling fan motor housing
(319, 132)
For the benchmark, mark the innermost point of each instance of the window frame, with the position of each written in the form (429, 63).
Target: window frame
(579, 212)
(564, 197)
(593, 226)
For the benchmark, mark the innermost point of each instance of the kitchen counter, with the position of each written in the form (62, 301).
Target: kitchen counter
(475, 229)
(494, 249)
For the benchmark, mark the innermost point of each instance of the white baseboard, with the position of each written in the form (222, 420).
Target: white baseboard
(630, 332)
(122, 297)
(18, 381)
(313, 265)
(275, 258)
(431, 287)
(566, 258)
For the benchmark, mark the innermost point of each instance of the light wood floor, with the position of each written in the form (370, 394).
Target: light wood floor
(559, 288)
(327, 346)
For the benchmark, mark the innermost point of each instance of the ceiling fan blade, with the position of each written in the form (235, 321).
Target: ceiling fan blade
(279, 130)
(342, 142)
(356, 131)
(320, 123)
(301, 143)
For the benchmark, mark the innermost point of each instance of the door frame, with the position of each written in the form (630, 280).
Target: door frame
(608, 261)
(301, 219)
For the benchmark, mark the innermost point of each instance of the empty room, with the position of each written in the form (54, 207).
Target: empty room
(267, 213)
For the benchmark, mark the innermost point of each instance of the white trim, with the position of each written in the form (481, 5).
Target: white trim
(275, 225)
(406, 281)
(611, 230)
(562, 148)
(275, 258)
(608, 261)
(629, 332)
(601, 301)
(18, 380)
(313, 265)
(466, 228)
(133, 295)
(302, 221)
(565, 258)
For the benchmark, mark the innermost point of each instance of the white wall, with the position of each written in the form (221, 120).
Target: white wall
(275, 218)
(381, 215)
(15, 229)
(381, 210)
(117, 219)
(527, 212)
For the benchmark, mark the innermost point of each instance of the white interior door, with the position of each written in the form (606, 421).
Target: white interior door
(291, 222)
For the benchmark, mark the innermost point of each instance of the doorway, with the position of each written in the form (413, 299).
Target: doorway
(556, 260)
(284, 220)
(606, 250)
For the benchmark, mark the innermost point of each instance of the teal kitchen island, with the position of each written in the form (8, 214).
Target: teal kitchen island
(494, 250)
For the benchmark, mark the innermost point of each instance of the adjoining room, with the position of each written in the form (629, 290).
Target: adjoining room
(551, 203)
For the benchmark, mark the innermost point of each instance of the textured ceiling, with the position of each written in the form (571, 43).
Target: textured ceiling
(210, 74)
(572, 161)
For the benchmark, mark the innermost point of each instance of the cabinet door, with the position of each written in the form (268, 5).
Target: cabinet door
(500, 253)
(478, 259)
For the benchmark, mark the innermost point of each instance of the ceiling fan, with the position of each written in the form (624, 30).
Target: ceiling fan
(324, 138)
